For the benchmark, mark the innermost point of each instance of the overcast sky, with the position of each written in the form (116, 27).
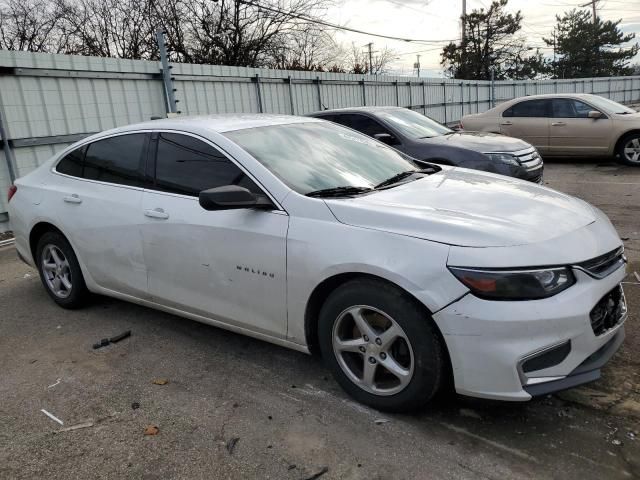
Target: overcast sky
(440, 20)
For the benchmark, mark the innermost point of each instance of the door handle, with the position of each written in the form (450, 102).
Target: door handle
(72, 199)
(506, 123)
(156, 213)
(558, 124)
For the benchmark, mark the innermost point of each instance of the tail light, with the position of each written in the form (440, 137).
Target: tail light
(12, 191)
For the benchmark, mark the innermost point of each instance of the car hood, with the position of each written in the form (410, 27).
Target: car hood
(480, 142)
(467, 208)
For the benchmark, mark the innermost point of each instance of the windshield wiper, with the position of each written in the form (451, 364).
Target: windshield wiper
(403, 175)
(338, 191)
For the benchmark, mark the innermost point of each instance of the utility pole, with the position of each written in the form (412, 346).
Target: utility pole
(370, 45)
(463, 19)
(593, 4)
(418, 64)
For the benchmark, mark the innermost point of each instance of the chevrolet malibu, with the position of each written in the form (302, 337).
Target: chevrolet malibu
(312, 236)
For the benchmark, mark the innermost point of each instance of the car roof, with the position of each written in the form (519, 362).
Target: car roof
(216, 123)
(553, 95)
(356, 110)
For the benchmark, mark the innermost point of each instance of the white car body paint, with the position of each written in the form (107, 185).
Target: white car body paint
(266, 264)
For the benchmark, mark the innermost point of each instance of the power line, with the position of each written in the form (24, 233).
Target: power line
(317, 21)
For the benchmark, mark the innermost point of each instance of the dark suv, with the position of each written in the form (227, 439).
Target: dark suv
(425, 139)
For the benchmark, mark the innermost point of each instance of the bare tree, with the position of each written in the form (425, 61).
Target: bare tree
(358, 60)
(28, 25)
(111, 28)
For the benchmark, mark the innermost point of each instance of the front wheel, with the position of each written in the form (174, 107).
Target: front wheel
(382, 348)
(629, 150)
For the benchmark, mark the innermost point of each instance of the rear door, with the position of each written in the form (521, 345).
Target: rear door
(228, 265)
(97, 201)
(574, 133)
(528, 120)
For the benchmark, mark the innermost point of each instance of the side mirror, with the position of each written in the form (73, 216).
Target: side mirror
(386, 138)
(231, 197)
(594, 114)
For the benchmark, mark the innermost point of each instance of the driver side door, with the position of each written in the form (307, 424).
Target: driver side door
(225, 265)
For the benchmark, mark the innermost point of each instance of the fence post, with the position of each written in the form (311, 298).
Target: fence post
(477, 96)
(609, 82)
(461, 99)
(493, 88)
(290, 82)
(364, 93)
(555, 86)
(8, 153)
(397, 94)
(410, 96)
(424, 98)
(166, 74)
(256, 80)
(444, 100)
(319, 93)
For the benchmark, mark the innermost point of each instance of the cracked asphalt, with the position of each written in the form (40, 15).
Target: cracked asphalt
(289, 417)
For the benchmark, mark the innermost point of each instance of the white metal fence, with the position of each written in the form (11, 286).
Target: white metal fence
(49, 101)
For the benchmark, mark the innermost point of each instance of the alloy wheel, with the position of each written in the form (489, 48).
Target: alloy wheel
(373, 350)
(632, 150)
(57, 272)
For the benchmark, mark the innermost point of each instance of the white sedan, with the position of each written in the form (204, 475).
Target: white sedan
(315, 237)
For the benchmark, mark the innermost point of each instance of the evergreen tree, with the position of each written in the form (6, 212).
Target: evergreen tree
(585, 48)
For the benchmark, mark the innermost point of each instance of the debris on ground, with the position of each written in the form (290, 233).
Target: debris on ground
(616, 442)
(135, 405)
(106, 341)
(160, 381)
(291, 467)
(631, 435)
(467, 412)
(52, 417)
(380, 421)
(151, 430)
(322, 471)
(54, 384)
(27, 275)
(77, 426)
(231, 445)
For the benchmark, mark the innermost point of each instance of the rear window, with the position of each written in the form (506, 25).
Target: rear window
(71, 164)
(116, 160)
(529, 108)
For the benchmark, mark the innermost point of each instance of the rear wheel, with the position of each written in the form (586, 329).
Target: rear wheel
(381, 347)
(60, 271)
(629, 150)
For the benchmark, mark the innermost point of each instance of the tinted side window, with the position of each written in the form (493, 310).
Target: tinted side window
(529, 108)
(362, 124)
(187, 166)
(569, 108)
(116, 159)
(71, 164)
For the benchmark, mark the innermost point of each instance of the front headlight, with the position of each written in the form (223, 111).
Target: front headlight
(523, 284)
(504, 158)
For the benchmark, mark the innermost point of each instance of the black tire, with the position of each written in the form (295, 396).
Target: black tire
(78, 293)
(620, 154)
(429, 356)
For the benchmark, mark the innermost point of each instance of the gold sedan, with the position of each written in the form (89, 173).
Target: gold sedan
(566, 125)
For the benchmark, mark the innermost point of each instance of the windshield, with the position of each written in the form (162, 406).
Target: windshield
(609, 105)
(412, 124)
(319, 155)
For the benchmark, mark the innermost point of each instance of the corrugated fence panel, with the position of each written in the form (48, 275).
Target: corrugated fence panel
(45, 97)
